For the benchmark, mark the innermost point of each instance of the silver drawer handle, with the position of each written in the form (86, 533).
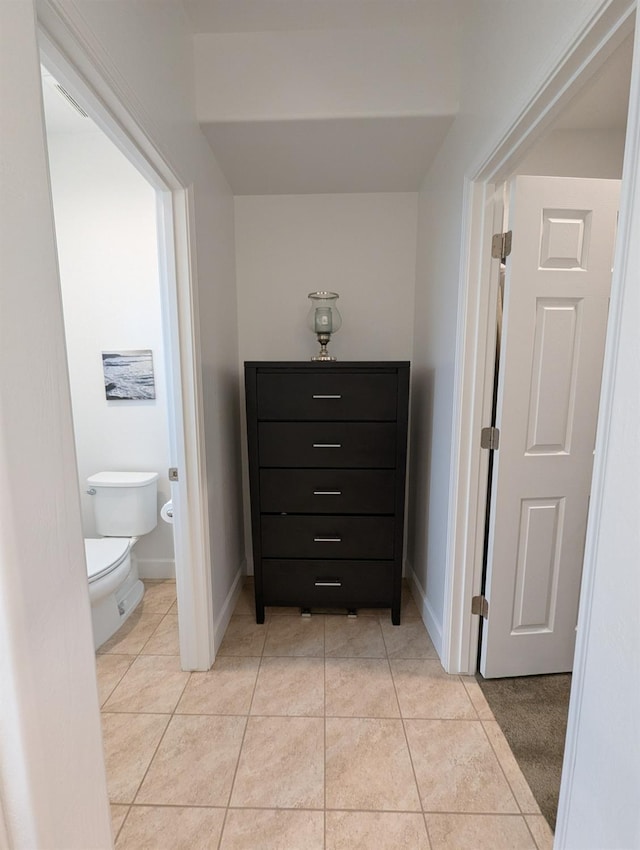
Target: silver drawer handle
(327, 540)
(327, 396)
(328, 584)
(327, 445)
(327, 492)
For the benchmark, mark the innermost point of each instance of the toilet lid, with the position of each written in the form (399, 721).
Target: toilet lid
(105, 554)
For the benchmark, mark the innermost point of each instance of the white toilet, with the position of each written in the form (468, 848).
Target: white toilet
(125, 505)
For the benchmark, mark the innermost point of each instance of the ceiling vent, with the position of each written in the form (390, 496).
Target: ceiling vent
(71, 100)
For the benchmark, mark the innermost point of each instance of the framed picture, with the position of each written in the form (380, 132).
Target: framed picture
(128, 375)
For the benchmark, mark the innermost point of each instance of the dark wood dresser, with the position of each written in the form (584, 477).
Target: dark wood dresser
(327, 456)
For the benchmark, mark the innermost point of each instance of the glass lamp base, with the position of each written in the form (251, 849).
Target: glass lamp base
(323, 355)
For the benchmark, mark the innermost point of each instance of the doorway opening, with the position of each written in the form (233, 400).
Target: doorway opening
(107, 242)
(551, 360)
(184, 427)
(557, 286)
(477, 332)
(567, 150)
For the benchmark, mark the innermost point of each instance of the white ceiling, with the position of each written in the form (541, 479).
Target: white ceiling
(603, 103)
(207, 16)
(327, 156)
(381, 153)
(349, 154)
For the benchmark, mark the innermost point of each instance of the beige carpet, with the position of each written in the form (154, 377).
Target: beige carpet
(532, 712)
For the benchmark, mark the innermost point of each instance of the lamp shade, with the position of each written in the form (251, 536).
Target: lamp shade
(323, 319)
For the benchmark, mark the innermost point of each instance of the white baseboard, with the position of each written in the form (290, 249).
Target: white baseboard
(222, 621)
(432, 624)
(157, 568)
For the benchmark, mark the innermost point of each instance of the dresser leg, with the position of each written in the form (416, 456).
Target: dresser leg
(259, 614)
(395, 615)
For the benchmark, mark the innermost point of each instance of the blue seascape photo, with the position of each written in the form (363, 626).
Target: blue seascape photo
(128, 375)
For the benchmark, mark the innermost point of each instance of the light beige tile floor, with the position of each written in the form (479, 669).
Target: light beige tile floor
(325, 733)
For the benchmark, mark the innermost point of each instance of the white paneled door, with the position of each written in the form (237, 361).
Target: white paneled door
(557, 285)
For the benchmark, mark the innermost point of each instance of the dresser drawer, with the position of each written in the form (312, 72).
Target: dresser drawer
(327, 491)
(326, 395)
(327, 536)
(327, 584)
(327, 444)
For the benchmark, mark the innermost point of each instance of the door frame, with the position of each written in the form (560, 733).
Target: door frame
(477, 325)
(73, 59)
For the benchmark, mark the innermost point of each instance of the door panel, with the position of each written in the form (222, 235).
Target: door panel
(554, 371)
(553, 335)
(541, 526)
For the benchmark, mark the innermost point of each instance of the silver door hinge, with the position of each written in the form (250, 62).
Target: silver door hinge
(480, 605)
(490, 438)
(173, 473)
(501, 245)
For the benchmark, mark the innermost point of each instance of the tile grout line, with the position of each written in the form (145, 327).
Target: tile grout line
(523, 814)
(172, 714)
(131, 804)
(119, 829)
(244, 735)
(526, 823)
(426, 829)
(406, 737)
(473, 705)
(324, 726)
(449, 812)
(110, 694)
(480, 717)
(406, 740)
(504, 773)
(552, 831)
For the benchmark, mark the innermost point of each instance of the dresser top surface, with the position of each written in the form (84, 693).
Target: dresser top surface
(334, 364)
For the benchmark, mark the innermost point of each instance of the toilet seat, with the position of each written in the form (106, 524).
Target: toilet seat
(104, 555)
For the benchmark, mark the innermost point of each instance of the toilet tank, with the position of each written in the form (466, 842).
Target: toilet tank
(125, 504)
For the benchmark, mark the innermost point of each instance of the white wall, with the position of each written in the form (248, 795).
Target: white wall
(603, 761)
(361, 246)
(105, 218)
(508, 45)
(576, 153)
(52, 783)
(601, 772)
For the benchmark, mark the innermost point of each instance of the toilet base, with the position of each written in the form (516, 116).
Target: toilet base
(112, 611)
